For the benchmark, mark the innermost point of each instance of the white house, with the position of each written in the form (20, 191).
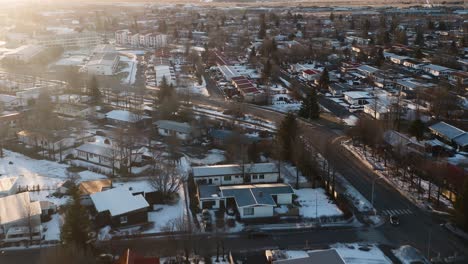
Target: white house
(8, 186)
(73, 110)
(182, 131)
(230, 174)
(357, 98)
(250, 201)
(18, 211)
(99, 154)
(437, 70)
(126, 118)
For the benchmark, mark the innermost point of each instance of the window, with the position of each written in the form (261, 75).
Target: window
(249, 211)
(261, 176)
(123, 219)
(254, 177)
(227, 178)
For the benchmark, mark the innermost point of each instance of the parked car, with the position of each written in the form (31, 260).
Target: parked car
(394, 220)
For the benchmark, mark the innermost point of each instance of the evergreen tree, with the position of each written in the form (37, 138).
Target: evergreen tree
(76, 228)
(253, 53)
(324, 80)
(310, 108)
(442, 25)
(419, 38)
(461, 207)
(332, 16)
(418, 53)
(266, 73)
(93, 89)
(287, 134)
(262, 31)
(165, 90)
(416, 129)
(430, 25)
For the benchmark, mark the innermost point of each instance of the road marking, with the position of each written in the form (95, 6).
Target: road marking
(397, 212)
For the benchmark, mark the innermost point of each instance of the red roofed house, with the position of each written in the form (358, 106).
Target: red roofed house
(310, 74)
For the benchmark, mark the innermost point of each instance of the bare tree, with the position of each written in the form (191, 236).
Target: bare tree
(166, 179)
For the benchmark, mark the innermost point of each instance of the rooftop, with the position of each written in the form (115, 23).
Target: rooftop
(252, 195)
(231, 169)
(118, 201)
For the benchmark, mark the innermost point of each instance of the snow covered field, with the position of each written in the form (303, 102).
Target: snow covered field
(130, 69)
(213, 156)
(315, 203)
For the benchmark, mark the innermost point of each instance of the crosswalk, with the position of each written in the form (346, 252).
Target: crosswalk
(397, 212)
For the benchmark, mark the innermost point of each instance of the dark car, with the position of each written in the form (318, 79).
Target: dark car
(394, 220)
(256, 233)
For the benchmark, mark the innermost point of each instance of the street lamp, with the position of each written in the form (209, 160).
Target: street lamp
(372, 194)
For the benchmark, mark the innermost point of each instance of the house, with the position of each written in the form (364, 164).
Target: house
(310, 74)
(73, 110)
(87, 188)
(450, 134)
(127, 119)
(403, 144)
(457, 78)
(55, 141)
(326, 256)
(182, 131)
(254, 201)
(8, 186)
(357, 98)
(367, 70)
(437, 70)
(230, 174)
(100, 154)
(378, 110)
(17, 212)
(118, 207)
(337, 89)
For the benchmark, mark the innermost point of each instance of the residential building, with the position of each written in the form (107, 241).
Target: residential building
(250, 201)
(100, 154)
(126, 119)
(87, 188)
(451, 135)
(367, 70)
(437, 70)
(83, 39)
(357, 98)
(182, 131)
(326, 256)
(310, 74)
(73, 110)
(17, 211)
(403, 144)
(231, 174)
(130, 257)
(119, 207)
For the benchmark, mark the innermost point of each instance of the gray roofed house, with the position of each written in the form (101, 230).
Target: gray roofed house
(232, 174)
(451, 134)
(126, 118)
(367, 70)
(182, 131)
(251, 201)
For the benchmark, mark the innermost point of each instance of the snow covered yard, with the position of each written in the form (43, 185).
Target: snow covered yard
(168, 217)
(53, 228)
(361, 254)
(39, 172)
(213, 156)
(315, 203)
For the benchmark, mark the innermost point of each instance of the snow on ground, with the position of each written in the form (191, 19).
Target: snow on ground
(74, 60)
(408, 255)
(198, 89)
(361, 254)
(290, 175)
(214, 156)
(315, 203)
(53, 227)
(135, 186)
(38, 172)
(130, 69)
(167, 215)
(350, 120)
(47, 196)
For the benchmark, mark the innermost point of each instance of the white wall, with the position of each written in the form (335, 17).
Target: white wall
(268, 178)
(259, 212)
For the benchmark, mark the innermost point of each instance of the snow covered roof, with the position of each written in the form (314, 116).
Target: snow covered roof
(16, 207)
(7, 183)
(174, 126)
(462, 140)
(125, 116)
(253, 195)
(97, 149)
(118, 201)
(231, 169)
(329, 256)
